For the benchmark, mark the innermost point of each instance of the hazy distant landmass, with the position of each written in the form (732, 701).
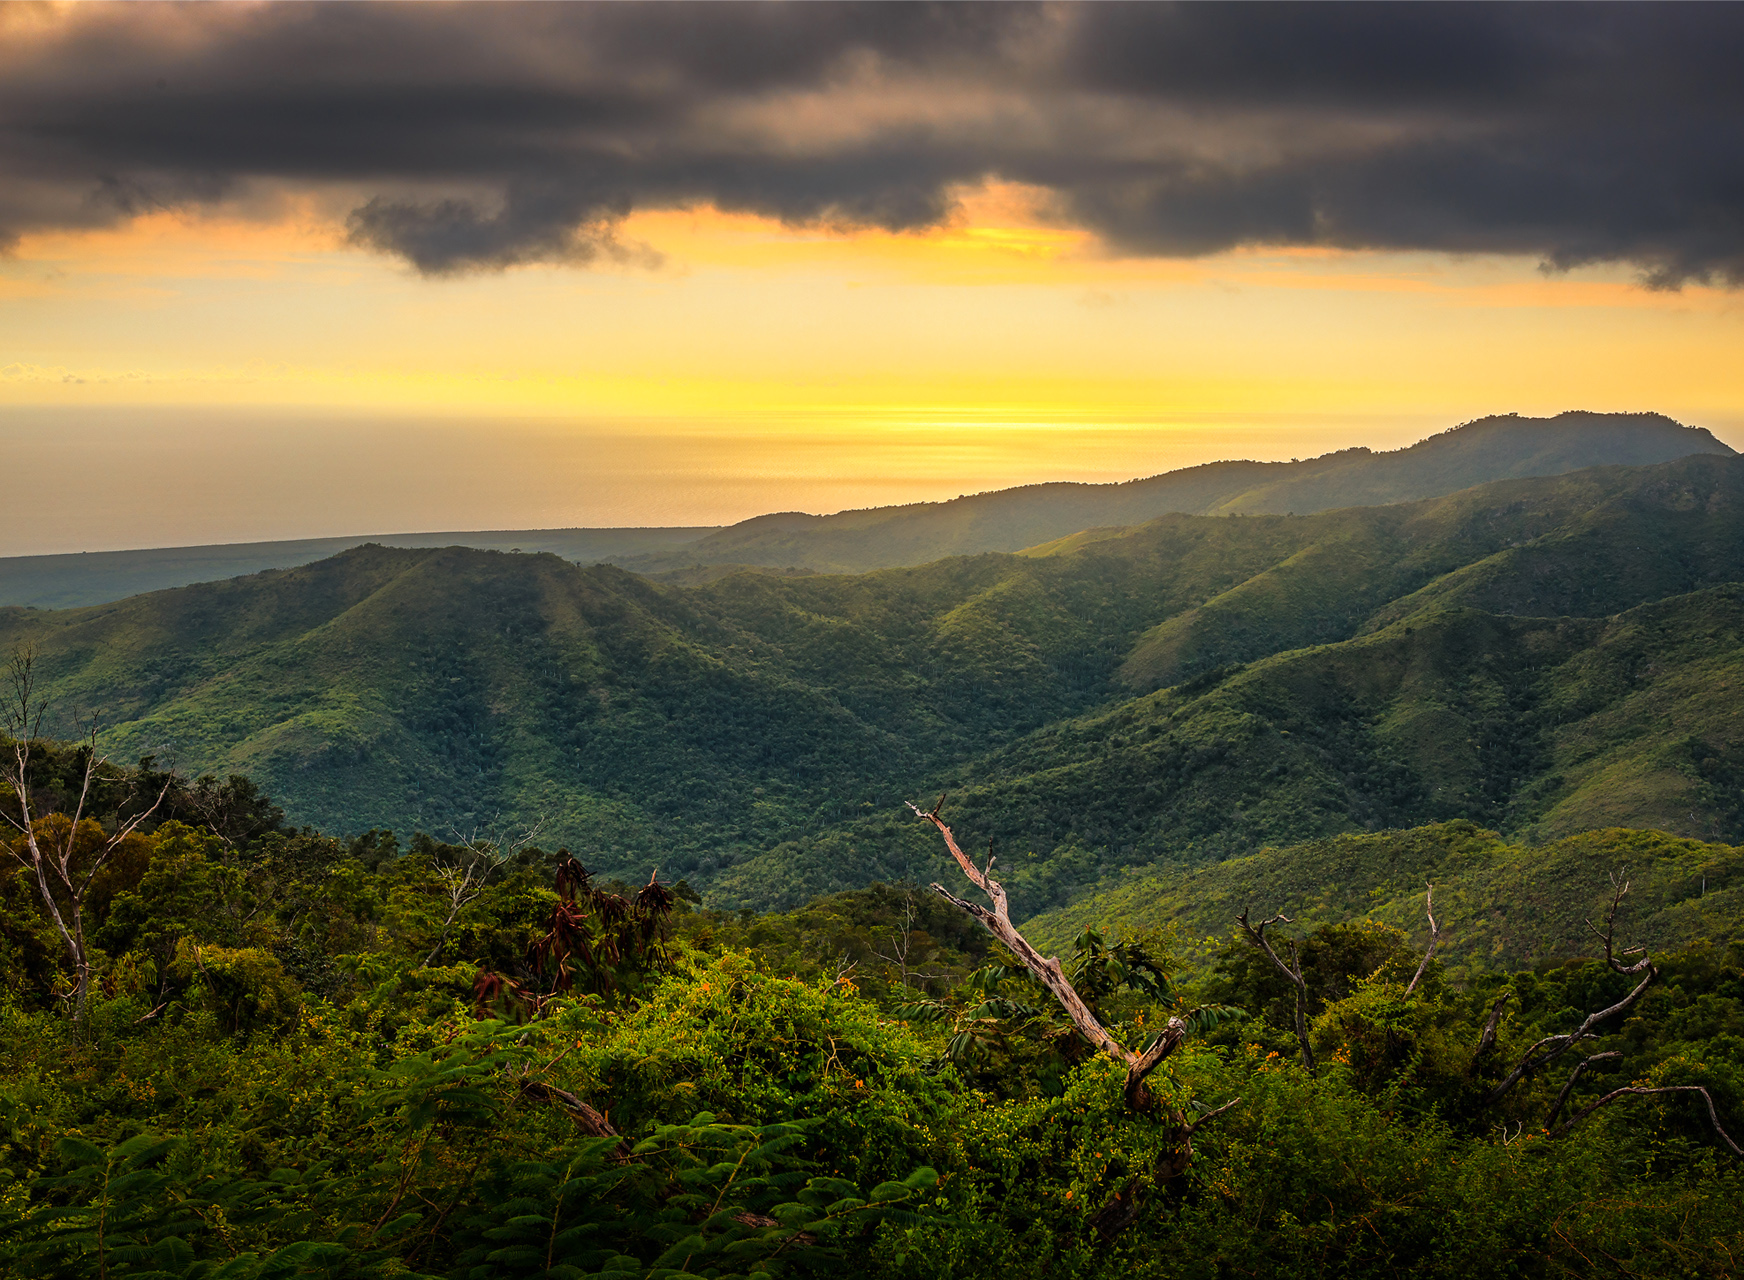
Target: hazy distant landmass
(1494, 448)
(96, 577)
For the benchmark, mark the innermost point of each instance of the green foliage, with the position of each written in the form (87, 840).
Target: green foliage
(701, 1198)
(1518, 905)
(127, 1212)
(884, 941)
(773, 1125)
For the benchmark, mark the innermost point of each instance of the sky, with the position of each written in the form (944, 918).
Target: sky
(274, 271)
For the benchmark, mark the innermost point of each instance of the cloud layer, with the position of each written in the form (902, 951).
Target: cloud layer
(464, 138)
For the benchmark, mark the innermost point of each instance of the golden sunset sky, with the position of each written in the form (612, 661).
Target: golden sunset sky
(244, 362)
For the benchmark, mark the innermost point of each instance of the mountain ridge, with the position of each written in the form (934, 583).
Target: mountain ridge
(1483, 450)
(1013, 519)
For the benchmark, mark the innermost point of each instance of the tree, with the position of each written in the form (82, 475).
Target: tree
(1256, 934)
(62, 852)
(1632, 963)
(1552, 1047)
(1124, 1207)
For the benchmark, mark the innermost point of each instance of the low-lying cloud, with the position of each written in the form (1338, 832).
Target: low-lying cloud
(465, 138)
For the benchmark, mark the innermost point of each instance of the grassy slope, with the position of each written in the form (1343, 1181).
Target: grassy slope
(1588, 544)
(1544, 725)
(1500, 904)
(755, 732)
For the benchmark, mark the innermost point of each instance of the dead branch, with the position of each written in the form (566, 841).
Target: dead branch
(1487, 1041)
(586, 1119)
(48, 850)
(1256, 934)
(1551, 1048)
(998, 923)
(1212, 1114)
(1049, 973)
(901, 943)
(1642, 1091)
(1568, 1085)
(496, 841)
(463, 885)
(1434, 939)
(1123, 1208)
(1620, 882)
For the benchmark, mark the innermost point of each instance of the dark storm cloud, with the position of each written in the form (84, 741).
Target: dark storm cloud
(465, 138)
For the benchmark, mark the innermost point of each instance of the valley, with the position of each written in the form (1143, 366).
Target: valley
(1542, 656)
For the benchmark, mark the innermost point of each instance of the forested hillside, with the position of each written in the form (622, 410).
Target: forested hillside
(1542, 656)
(70, 581)
(1502, 905)
(299, 1056)
(447, 965)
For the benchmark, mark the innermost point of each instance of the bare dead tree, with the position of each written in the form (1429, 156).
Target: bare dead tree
(502, 843)
(1547, 1050)
(1434, 939)
(1292, 969)
(1550, 1048)
(1049, 973)
(1632, 962)
(1124, 1206)
(464, 881)
(55, 850)
(900, 944)
(902, 948)
(1256, 934)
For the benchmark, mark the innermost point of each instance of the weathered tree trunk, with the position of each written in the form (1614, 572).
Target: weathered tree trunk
(1434, 939)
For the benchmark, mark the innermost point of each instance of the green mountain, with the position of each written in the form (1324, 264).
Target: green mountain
(1538, 726)
(1005, 520)
(1544, 656)
(1495, 448)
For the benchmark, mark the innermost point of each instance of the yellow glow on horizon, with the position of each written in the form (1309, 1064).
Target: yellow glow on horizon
(1001, 316)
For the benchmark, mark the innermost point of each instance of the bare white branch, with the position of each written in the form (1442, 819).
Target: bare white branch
(1434, 939)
